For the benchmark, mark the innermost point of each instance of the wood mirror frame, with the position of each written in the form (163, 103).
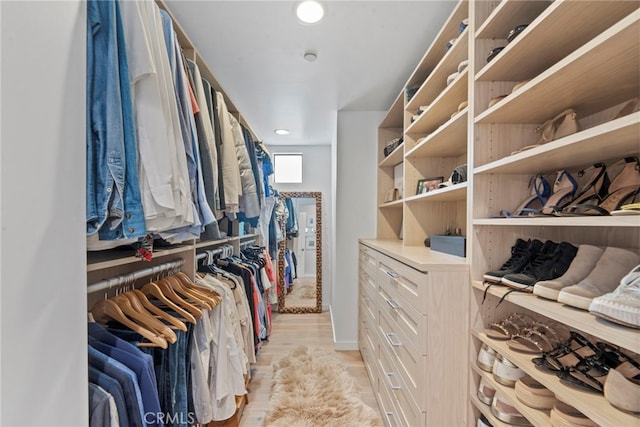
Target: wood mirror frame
(283, 244)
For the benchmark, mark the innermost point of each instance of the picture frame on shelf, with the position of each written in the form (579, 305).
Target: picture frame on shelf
(428, 184)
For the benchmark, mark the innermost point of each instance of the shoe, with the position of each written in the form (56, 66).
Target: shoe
(584, 261)
(577, 349)
(521, 253)
(539, 338)
(533, 394)
(552, 261)
(494, 52)
(595, 189)
(486, 392)
(486, 358)
(505, 411)
(516, 32)
(612, 266)
(624, 187)
(483, 422)
(563, 415)
(505, 329)
(540, 192)
(622, 305)
(622, 386)
(505, 372)
(564, 124)
(564, 188)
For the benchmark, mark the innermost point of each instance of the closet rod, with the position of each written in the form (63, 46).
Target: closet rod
(203, 255)
(248, 243)
(130, 277)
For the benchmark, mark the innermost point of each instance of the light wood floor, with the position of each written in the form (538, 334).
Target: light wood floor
(290, 330)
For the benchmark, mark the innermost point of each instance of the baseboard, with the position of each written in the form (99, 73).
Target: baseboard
(333, 325)
(341, 345)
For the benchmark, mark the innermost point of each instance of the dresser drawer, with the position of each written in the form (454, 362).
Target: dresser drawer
(368, 260)
(407, 322)
(367, 282)
(405, 281)
(411, 365)
(408, 412)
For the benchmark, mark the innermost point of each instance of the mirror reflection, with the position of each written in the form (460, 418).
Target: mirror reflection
(300, 255)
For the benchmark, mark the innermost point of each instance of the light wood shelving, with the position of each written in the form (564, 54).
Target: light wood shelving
(581, 55)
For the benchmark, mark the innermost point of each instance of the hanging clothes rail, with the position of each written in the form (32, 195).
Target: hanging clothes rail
(210, 252)
(248, 243)
(130, 277)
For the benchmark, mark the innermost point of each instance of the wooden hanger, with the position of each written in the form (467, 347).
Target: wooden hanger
(209, 295)
(167, 289)
(108, 309)
(188, 294)
(154, 290)
(132, 307)
(142, 298)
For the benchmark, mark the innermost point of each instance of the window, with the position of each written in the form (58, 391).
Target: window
(287, 168)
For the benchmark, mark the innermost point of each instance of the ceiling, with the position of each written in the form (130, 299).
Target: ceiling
(366, 52)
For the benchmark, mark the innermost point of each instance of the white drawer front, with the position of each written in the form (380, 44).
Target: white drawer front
(410, 284)
(411, 365)
(409, 323)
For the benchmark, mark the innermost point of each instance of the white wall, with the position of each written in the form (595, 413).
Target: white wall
(355, 152)
(43, 359)
(316, 176)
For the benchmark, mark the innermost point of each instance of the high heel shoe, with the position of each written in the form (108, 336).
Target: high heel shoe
(540, 191)
(625, 186)
(595, 189)
(564, 188)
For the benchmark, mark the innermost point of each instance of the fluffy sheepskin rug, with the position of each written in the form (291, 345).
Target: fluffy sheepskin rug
(311, 388)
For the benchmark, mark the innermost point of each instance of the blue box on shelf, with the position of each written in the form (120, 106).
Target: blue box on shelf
(454, 245)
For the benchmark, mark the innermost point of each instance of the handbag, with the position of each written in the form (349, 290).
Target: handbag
(564, 124)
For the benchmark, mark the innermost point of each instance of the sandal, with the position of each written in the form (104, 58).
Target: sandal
(540, 338)
(540, 191)
(591, 373)
(624, 187)
(575, 350)
(509, 326)
(564, 187)
(564, 124)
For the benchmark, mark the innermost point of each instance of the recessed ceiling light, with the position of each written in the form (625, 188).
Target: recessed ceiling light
(310, 11)
(282, 132)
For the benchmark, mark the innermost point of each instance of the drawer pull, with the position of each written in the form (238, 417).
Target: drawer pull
(392, 343)
(391, 384)
(392, 274)
(388, 416)
(394, 305)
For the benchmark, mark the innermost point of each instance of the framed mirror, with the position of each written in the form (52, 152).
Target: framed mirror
(300, 255)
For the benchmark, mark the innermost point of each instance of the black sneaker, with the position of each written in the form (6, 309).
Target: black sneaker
(552, 262)
(521, 254)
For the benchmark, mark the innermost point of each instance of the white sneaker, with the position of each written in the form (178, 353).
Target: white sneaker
(623, 304)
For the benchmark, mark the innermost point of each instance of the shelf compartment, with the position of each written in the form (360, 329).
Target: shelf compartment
(448, 194)
(486, 410)
(113, 258)
(581, 320)
(395, 204)
(207, 243)
(594, 406)
(440, 110)
(609, 141)
(393, 119)
(449, 140)
(612, 60)
(565, 25)
(394, 158)
(552, 221)
(437, 80)
(507, 15)
(436, 50)
(537, 417)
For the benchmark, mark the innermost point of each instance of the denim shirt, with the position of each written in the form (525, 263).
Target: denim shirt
(113, 191)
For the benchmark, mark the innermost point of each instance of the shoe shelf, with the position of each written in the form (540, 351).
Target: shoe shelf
(449, 140)
(565, 25)
(553, 221)
(507, 14)
(437, 80)
(611, 140)
(583, 321)
(437, 51)
(593, 405)
(440, 110)
(394, 158)
(486, 411)
(613, 76)
(448, 194)
(537, 417)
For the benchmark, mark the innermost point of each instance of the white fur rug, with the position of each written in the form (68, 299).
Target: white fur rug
(312, 388)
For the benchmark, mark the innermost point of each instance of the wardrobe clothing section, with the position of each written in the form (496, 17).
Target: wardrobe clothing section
(208, 335)
(165, 157)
